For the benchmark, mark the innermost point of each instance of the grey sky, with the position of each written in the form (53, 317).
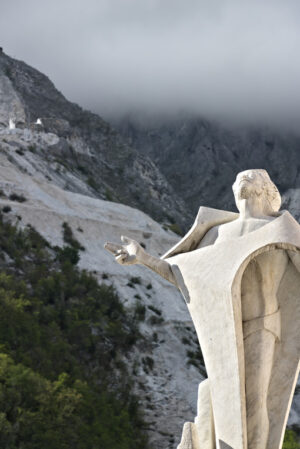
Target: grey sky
(216, 57)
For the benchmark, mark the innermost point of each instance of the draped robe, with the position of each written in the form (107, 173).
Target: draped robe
(210, 281)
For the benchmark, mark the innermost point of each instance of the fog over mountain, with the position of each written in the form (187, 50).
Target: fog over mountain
(228, 59)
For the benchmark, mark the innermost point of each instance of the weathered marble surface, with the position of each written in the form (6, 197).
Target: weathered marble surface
(239, 274)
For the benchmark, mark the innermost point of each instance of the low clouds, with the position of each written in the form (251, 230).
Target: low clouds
(220, 58)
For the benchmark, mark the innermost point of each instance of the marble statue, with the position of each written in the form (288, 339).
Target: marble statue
(240, 276)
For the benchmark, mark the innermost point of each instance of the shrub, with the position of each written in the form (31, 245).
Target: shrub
(174, 227)
(6, 209)
(140, 312)
(16, 197)
(92, 183)
(68, 254)
(108, 195)
(82, 169)
(148, 363)
(135, 280)
(156, 320)
(195, 358)
(8, 72)
(32, 148)
(69, 237)
(155, 310)
(290, 440)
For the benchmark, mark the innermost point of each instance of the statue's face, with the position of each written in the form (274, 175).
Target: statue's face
(248, 183)
(256, 184)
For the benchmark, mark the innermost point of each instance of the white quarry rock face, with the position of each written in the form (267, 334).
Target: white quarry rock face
(11, 106)
(172, 383)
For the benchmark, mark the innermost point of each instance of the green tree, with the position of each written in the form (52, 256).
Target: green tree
(63, 339)
(290, 440)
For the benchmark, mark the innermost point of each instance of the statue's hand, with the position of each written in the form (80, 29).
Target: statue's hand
(128, 254)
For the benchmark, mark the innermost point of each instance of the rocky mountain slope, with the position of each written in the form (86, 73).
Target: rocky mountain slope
(201, 158)
(167, 368)
(86, 143)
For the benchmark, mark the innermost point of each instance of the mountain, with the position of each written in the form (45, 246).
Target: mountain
(75, 170)
(87, 144)
(201, 158)
(49, 175)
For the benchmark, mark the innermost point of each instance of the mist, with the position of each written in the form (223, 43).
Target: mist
(226, 58)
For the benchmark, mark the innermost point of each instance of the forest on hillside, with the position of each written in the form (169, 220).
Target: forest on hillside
(63, 338)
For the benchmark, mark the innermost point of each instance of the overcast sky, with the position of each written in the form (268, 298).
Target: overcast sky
(230, 57)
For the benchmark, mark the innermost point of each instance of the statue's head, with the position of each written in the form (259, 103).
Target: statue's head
(256, 185)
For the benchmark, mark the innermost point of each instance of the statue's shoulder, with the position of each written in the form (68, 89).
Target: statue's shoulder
(209, 214)
(285, 220)
(206, 219)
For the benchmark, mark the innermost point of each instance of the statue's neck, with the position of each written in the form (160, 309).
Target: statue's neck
(250, 208)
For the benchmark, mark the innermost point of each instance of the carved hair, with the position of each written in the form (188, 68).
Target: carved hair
(271, 192)
(271, 195)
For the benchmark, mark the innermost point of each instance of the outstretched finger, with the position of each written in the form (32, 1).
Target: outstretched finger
(126, 240)
(113, 247)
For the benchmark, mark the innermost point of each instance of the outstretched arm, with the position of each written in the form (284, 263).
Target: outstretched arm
(131, 253)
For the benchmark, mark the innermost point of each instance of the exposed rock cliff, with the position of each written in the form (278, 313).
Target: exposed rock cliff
(200, 159)
(87, 143)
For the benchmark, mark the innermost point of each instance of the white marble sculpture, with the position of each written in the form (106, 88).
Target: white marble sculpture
(240, 276)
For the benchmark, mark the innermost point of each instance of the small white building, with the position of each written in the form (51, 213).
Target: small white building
(12, 124)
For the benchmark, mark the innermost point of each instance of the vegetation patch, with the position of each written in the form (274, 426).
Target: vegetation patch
(16, 197)
(291, 441)
(63, 338)
(148, 364)
(92, 183)
(195, 358)
(69, 237)
(140, 311)
(6, 209)
(135, 280)
(108, 195)
(156, 320)
(174, 227)
(155, 310)
(32, 148)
